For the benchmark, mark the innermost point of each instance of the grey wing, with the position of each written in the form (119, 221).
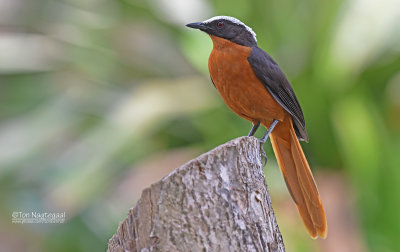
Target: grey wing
(272, 77)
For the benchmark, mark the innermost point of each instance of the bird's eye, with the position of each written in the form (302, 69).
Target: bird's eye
(220, 24)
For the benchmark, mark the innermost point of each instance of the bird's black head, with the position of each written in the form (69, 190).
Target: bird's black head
(228, 28)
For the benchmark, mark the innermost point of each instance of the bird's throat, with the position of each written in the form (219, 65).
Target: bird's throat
(221, 43)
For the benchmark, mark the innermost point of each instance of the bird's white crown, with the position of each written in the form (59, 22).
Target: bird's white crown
(233, 20)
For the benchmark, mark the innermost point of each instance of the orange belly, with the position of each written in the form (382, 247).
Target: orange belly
(238, 86)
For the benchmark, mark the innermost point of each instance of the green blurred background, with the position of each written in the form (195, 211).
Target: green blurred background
(99, 99)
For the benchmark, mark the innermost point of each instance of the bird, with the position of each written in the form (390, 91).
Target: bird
(254, 87)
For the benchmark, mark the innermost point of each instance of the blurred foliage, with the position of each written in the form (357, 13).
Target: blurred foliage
(90, 88)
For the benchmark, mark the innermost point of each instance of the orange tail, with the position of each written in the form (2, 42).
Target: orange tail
(300, 181)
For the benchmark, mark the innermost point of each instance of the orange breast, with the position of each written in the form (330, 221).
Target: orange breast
(237, 84)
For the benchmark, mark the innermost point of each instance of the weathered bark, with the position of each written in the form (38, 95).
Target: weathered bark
(216, 202)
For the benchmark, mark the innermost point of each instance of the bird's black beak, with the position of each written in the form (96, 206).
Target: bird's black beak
(198, 25)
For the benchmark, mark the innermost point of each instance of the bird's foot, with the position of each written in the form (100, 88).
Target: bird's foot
(263, 154)
(264, 139)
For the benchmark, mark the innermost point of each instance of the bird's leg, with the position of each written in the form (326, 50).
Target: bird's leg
(271, 128)
(254, 129)
(265, 137)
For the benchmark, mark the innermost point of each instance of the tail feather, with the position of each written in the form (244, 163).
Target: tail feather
(300, 182)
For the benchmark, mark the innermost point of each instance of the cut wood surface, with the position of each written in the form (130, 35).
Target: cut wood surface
(218, 201)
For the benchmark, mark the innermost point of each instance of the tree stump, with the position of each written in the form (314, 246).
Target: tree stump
(218, 201)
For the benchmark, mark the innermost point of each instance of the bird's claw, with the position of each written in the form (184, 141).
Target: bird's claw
(263, 154)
